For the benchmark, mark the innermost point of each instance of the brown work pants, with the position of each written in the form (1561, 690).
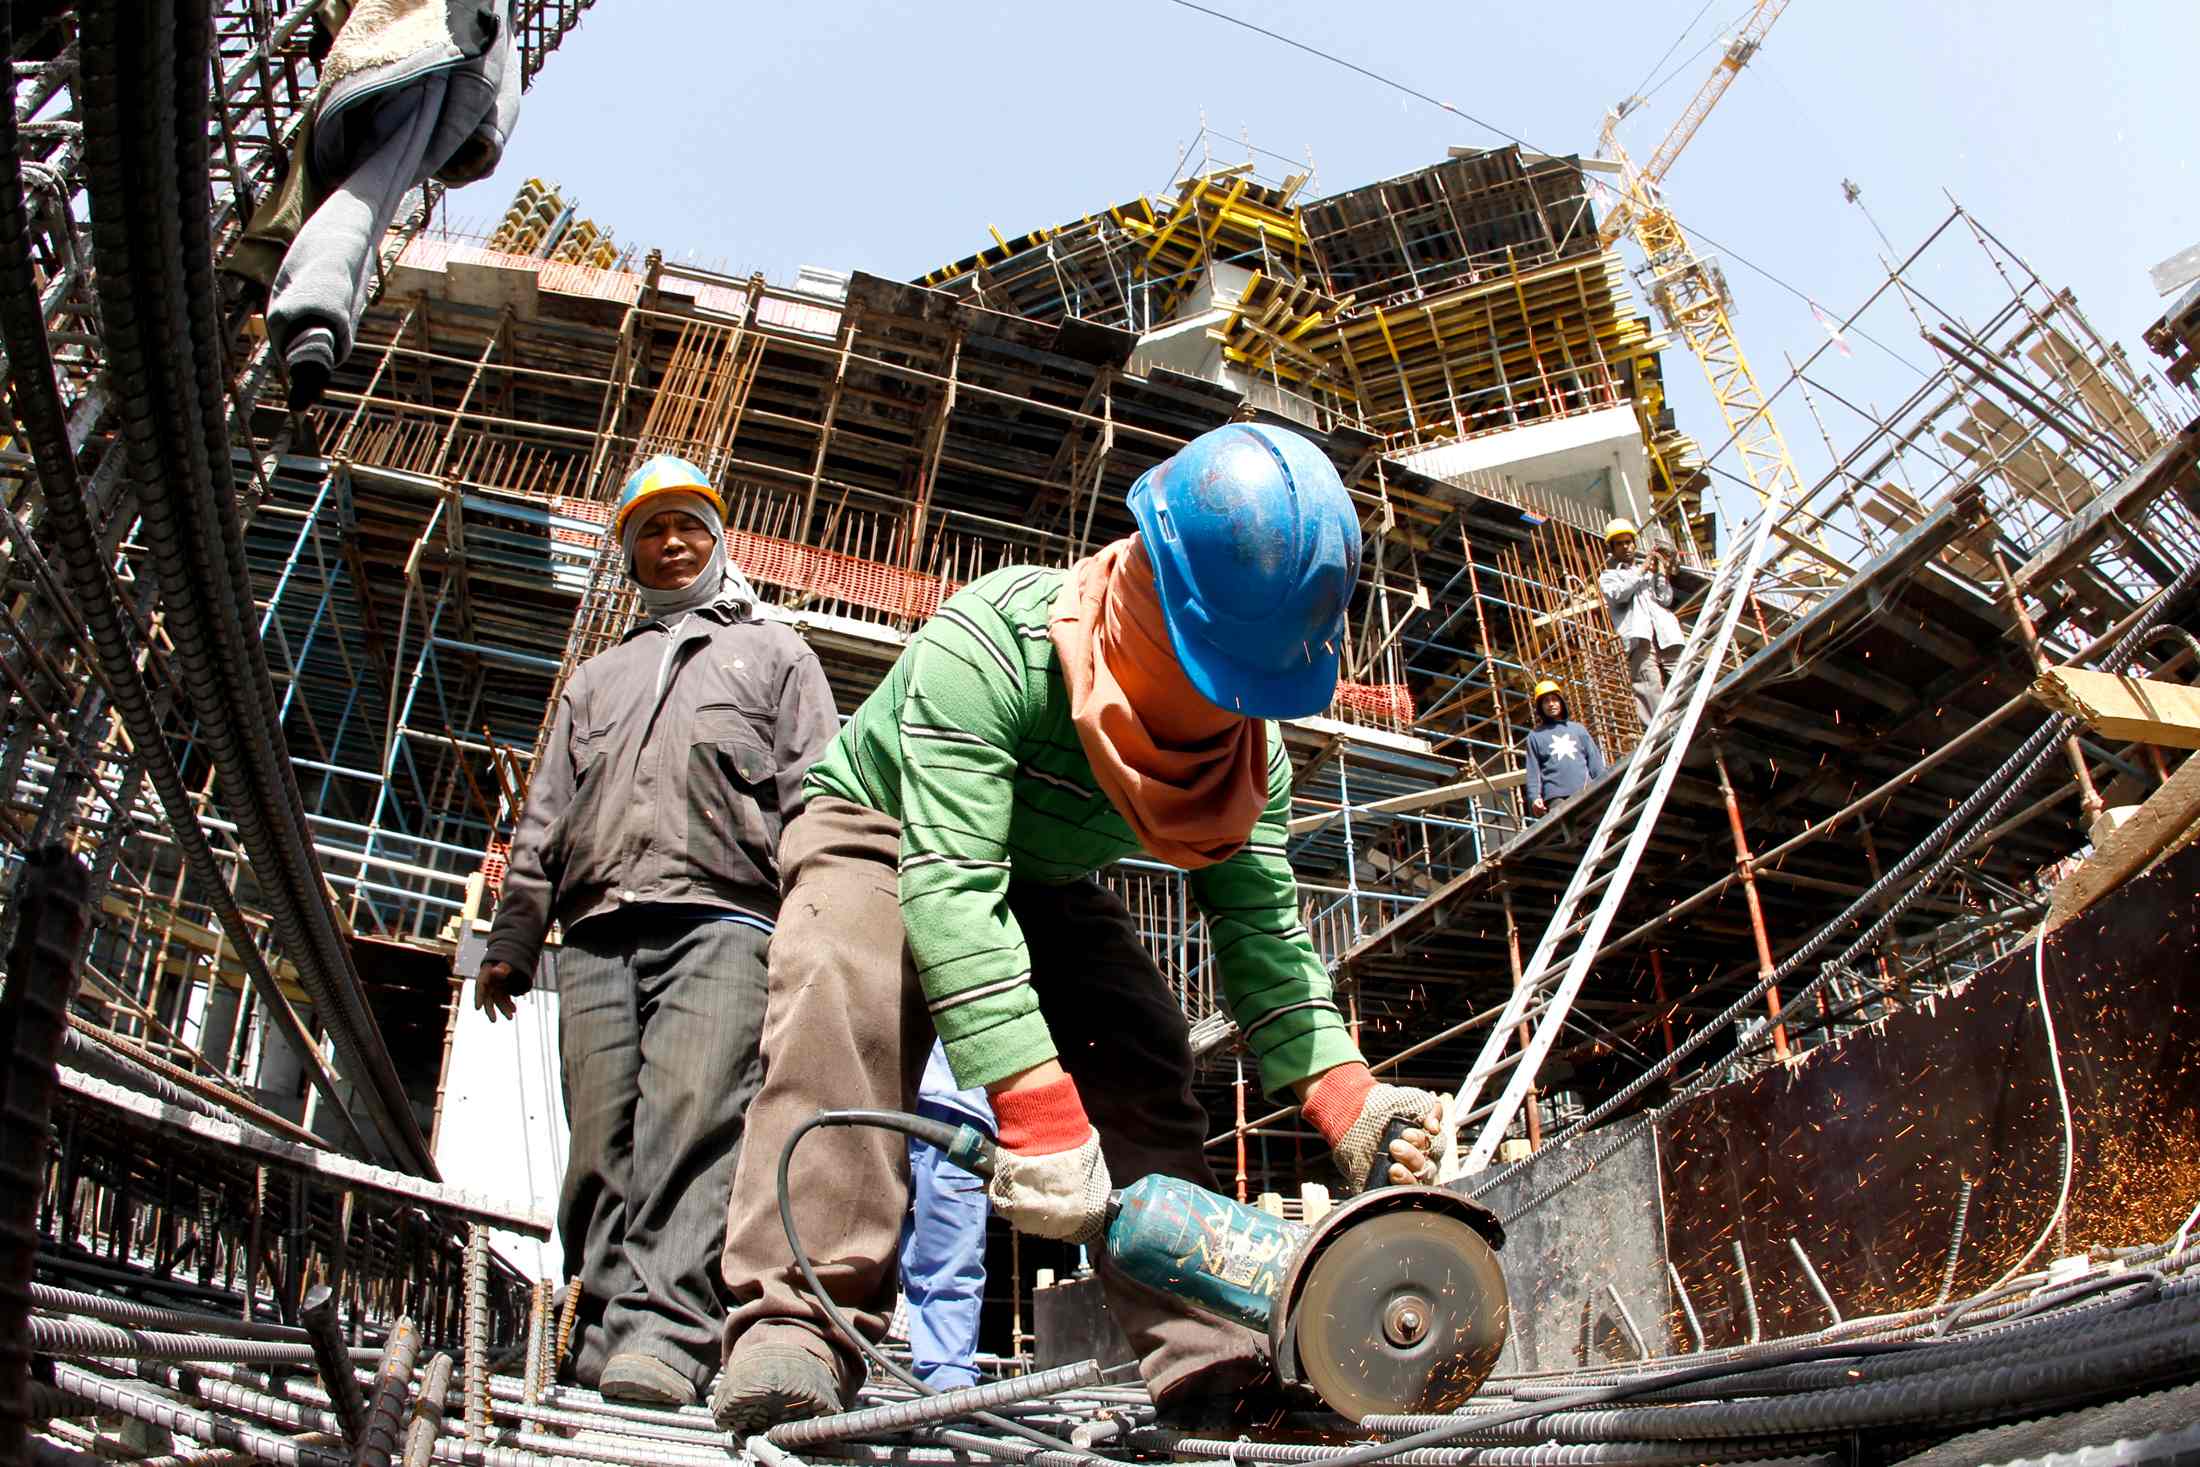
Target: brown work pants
(846, 1026)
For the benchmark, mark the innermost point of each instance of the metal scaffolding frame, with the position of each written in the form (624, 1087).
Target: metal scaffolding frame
(426, 563)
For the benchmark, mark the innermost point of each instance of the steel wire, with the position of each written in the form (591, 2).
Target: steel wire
(558, 1451)
(145, 100)
(33, 1009)
(2045, 1373)
(204, 1426)
(1051, 1447)
(67, 518)
(1961, 1352)
(86, 1337)
(924, 1410)
(1557, 1454)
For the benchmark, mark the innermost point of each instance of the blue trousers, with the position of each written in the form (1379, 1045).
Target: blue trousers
(943, 1262)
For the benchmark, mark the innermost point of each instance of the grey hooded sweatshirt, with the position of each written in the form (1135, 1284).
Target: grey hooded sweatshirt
(410, 90)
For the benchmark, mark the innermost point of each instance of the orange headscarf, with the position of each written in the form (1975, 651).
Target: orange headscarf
(1189, 778)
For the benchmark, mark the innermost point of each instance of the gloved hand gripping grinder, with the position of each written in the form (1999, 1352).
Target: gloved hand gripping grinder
(1392, 1303)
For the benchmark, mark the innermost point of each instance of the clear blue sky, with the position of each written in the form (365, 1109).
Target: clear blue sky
(864, 135)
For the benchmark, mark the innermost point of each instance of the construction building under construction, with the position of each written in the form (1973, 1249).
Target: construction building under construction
(1846, 1011)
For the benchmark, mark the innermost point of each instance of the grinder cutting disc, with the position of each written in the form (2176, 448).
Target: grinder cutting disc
(1401, 1312)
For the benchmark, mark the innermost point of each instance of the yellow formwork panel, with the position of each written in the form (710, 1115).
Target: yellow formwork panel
(1499, 341)
(1138, 216)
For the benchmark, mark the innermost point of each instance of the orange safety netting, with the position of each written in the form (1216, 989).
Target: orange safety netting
(569, 507)
(494, 863)
(871, 584)
(1376, 700)
(912, 595)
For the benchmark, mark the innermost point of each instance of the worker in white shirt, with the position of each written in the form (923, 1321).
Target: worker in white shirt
(1638, 594)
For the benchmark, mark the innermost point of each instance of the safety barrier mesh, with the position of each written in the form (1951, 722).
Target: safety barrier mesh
(911, 596)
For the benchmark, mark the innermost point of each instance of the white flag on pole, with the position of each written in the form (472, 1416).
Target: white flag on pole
(1833, 328)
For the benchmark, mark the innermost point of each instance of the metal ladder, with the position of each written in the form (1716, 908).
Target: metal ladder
(1554, 975)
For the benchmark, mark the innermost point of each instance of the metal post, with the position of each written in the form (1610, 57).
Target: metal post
(1818, 1285)
(477, 1333)
(1016, 1335)
(1688, 1307)
(1657, 987)
(1239, 1088)
(567, 1315)
(538, 1330)
(2088, 796)
(1627, 1322)
(1497, 693)
(1528, 1103)
(1746, 869)
(1351, 867)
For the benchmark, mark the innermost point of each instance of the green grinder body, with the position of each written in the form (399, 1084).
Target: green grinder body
(1219, 1256)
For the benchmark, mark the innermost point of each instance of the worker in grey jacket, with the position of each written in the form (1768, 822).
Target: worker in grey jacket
(651, 833)
(1638, 595)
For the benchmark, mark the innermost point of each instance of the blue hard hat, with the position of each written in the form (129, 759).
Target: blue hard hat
(1255, 547)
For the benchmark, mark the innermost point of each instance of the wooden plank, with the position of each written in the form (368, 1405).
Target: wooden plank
(2140, 488)
(2161, 826)
(2139, 709)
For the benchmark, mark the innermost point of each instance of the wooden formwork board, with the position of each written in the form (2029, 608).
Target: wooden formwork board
(2142, 710)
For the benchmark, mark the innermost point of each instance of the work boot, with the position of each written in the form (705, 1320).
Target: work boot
(645, 1380)
(776, 1375)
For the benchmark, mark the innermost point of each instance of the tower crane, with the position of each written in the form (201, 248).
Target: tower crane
(1687, 288)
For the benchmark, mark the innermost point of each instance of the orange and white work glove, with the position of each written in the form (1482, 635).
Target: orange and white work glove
(1352, 1111)
(1049, 1178)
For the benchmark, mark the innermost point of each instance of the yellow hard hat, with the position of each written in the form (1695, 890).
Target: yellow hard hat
(1618, 528)
(1546, 686)
(663, 474)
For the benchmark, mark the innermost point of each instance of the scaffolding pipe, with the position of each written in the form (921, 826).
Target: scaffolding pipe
(1746, 869)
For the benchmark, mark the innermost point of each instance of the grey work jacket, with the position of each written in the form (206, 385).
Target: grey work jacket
(1639, 601)
(673, 799)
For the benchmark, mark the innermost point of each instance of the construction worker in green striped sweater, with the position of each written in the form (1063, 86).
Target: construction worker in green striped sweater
(1045, 724)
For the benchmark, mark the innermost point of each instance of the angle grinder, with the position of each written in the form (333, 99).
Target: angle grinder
(1392, 1303)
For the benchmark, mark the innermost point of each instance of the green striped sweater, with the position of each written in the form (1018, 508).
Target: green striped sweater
(969, 744)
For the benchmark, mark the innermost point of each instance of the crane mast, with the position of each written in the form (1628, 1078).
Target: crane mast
(1687, 288)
